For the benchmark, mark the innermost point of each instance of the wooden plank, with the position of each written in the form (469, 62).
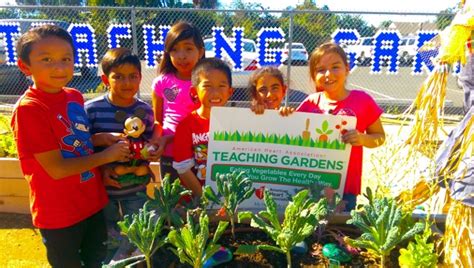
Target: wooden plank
(14, 204)
(10, 168)
(14, 187)
(155, 168)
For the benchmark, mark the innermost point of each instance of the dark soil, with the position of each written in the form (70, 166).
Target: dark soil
(246, 235)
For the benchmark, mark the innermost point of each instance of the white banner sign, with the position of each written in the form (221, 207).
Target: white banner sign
(280, 154)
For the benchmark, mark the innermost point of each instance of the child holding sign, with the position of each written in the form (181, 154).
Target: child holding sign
(267, 89)
(212, 81)
(329, 69)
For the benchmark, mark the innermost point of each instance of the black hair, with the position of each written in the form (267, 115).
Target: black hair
(207, 64)
(32, 36)
(118, 56)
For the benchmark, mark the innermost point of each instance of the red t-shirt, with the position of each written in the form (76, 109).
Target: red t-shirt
(44, 122)
(363, 107)
(190, 144)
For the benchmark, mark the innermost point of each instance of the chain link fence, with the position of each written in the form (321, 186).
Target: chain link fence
(384, 60)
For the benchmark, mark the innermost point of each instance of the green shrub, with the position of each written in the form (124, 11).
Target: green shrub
(7, 142)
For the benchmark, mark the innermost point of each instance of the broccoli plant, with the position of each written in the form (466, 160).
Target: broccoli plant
(166, 198)
(302, 216)
(232, 190)
(383, 224)
(144, 231)
(192, 243)
(419, 253)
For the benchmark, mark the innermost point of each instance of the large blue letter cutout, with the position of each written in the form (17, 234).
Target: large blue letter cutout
(344, 38)
(153, 47)
(84, 41)
(269, 56)
(424, 57)
(386, 51)
(233, 48)
(115, 32)
(9, 31)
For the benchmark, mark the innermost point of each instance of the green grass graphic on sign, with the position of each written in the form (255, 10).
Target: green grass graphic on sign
(236, 136)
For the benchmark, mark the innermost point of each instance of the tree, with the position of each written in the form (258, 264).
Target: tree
(246, 17)
(384, 24)
(312, 29)
(444, 18)
(50, 2)
(355, 22)
(52, 14)
(209, 4)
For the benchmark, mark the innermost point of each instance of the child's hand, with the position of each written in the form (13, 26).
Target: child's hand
(160, 144)
(286, 110)
(152, 154)
(354, 137)
(256, 107)
(118, 152)
(109, 176)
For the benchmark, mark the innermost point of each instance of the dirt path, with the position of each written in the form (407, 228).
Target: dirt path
(20, 242)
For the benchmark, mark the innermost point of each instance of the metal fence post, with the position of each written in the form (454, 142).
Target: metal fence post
(288, 61)
(134, 35)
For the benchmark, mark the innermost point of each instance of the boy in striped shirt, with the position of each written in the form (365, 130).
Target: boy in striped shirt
(122, 75)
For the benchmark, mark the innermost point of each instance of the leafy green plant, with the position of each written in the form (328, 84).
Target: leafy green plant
(144, 231)
(419, 254)
(302, 216)
(191, 243)
(166, 198)
(232, 189)
(384, 226)
(7, 142)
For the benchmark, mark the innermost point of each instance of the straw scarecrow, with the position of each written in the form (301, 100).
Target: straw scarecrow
(454, 159)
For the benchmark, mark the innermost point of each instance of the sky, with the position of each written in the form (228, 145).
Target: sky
(427, 6)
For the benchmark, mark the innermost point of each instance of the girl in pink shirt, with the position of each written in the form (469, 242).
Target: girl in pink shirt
(172, 98)
(329, 70)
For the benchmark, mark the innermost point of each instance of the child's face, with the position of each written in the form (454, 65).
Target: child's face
(270, 91)
(184, 55)
(331, 73)
(51, 64)
(123, 82)
(213, 88)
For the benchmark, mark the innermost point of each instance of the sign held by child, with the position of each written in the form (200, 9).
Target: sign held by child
(300, 150)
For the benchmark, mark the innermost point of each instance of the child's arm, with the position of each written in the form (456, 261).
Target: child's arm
(191, 182)
(157, 104)
(106, 139)
(374, 136)
(59, 167)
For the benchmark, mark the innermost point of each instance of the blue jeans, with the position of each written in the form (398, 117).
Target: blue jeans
(119, 206)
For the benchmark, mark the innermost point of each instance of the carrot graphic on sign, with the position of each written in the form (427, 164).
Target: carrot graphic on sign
(324, 131)
(306, 133)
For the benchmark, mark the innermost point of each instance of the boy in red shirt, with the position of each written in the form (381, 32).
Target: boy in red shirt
(212, 81)
(55, 150)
